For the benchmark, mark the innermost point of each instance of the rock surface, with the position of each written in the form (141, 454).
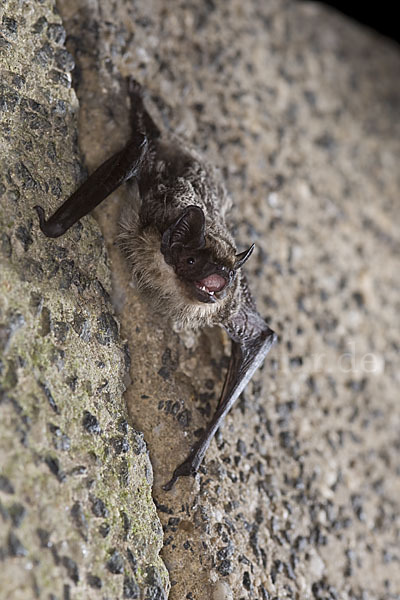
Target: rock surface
(299, 495)
(76, 515)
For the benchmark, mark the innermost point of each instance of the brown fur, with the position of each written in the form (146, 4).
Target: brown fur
(140, 243)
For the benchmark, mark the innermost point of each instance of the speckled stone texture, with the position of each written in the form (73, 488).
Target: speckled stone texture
(76, 516)
(299, 495)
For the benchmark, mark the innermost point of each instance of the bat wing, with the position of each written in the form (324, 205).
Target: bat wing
(127, 163)
(252, 339)
(106, 178)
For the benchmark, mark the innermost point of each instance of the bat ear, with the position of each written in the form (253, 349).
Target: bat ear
(187, 231)
(242, 257)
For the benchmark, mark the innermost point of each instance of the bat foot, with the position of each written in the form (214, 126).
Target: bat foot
(135, 90)
(140, 118)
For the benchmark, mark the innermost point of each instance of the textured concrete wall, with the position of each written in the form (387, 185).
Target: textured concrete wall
(298, 495)
(76, 515)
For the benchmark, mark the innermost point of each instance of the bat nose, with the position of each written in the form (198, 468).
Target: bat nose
(226, 272)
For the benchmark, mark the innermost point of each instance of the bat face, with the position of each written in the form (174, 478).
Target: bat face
(205, 280)
(184, 247)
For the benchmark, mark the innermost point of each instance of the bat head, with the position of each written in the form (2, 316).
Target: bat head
(184, 248)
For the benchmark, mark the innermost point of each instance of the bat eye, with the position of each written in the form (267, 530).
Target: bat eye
(231, 273)
(191, 260)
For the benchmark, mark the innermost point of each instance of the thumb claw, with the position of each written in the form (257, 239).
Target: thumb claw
(41, 216)
(168, 486)
(188, 467)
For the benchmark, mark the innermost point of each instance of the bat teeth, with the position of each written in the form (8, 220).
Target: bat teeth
(204, 288)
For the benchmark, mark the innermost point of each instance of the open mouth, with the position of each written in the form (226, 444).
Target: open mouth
(211, 285)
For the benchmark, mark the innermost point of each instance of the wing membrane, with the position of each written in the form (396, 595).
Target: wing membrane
(252, 339)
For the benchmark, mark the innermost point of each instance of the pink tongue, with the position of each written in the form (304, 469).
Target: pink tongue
(214, 283)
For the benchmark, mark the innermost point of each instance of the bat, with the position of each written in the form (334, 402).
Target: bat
(179, 248)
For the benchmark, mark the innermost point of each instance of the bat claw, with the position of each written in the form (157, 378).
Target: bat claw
(40, 212)
(50, 228)
(168, 486)
(134, 87)
(185, 469)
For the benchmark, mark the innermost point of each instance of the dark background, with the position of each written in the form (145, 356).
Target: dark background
(381, 16)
